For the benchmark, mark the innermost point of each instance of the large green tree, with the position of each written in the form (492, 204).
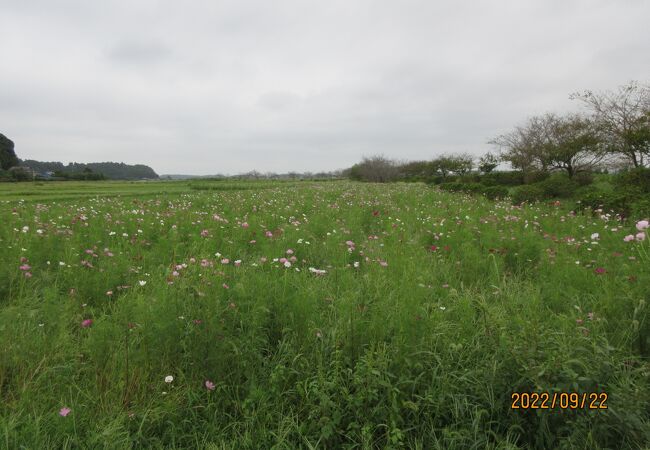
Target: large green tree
(8, 157)
(572, 144)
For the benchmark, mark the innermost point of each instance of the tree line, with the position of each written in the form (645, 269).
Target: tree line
(13, 168)
(611, 133)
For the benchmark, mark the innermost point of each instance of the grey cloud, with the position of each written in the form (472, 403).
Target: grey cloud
(231, 86)
(139, 52)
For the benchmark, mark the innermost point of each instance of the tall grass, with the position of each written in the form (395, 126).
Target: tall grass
(432, 310)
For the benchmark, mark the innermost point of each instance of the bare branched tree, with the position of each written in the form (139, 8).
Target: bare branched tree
(375, 168)
(623, 117)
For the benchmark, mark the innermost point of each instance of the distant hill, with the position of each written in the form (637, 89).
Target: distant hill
(110, 170)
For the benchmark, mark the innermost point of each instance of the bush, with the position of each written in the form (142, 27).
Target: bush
(435, 180)
(640, 208)
(470, 178)
(535, 176)
(528, 193)
(452, 187)
(558, 186)
(583, 178)
(636, 179)
(513, 178)
(495, 192)
(472, 188)
(616, 202)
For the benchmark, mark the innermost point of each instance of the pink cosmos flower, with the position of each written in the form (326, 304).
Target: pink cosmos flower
(209, 385)
(28, 274)
(629, 238)
(600, 271)
(245, 225)
(642, 225)
(225, 261)
(268, 234)
(383, 263)
(64, 411)
(640, 236)
(283, 260)
(25, 267)
(289, 252)
(225, 286)
(86, 323)
(205, 233)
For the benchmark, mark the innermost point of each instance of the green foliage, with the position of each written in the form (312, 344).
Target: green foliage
(19, 174)
(583, 178)
(488, 162)
(617, 202)
(535, 176)
(528, 193)
(8, 157)
(511, 178)
(495, 192)
(475, 300)
(110, 170)
(461, 187)
(640, 208)
(558, 186)
(636, 179)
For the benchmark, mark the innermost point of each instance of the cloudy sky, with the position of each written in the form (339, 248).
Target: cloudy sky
(204, 87)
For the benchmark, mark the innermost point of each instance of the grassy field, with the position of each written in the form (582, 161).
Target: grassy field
(316, 315)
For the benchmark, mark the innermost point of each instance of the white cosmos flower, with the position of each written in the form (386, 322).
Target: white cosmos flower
(142, 282)
(169, 379)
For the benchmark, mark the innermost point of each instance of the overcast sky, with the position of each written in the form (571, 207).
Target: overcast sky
(277, 85)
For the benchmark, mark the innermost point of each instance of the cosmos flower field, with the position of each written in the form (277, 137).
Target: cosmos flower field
(316, 315)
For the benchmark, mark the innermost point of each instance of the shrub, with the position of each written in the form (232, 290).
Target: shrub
(513, 178)
(470, 178)
(636, 179)
(585, 191)
(432, 180)
(495, 192)
(617, 202)
(452, 187)
(535, 176)
(472, 188)
(528, 193)
(640, 208)
(558, 186)
(583, 178)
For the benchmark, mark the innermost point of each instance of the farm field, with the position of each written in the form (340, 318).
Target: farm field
(316, 315)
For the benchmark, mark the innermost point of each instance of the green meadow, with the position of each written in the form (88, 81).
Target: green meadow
(232, 314)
